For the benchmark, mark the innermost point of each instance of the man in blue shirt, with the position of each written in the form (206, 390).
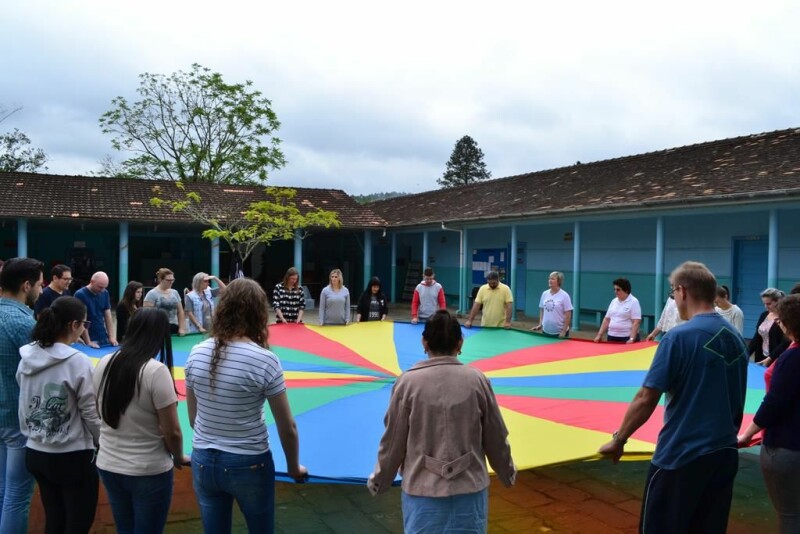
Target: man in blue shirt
(21, 282)
(98, 311)
(701, 366)
(61, 278)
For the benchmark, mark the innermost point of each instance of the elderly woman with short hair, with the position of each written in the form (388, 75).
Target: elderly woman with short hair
(555, 308)
(624, 316)
(199, 302)
(768, 342)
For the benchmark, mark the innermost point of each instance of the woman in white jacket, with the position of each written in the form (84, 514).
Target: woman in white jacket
(58, 415)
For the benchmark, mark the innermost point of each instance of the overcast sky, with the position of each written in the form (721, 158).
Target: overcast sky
(373, 98)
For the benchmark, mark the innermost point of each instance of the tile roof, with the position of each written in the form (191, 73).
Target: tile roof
(119, 199)
(748, 168)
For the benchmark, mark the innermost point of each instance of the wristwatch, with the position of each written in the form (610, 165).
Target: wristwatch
(615, 437)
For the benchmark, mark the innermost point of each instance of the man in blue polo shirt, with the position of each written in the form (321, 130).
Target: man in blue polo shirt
(701, 366)
(98, 311)
(21, 281)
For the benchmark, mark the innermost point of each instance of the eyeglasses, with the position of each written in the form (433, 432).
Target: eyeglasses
(87, 324)
(66, 279)
(169, 279)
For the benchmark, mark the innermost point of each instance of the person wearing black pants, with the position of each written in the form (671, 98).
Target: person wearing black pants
(68, 484)
(58, 416)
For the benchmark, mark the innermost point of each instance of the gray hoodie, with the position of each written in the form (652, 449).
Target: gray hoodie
(57, 403)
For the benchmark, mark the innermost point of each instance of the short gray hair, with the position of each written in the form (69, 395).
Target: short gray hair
(492, 275)
(772, 293)
(559, 276)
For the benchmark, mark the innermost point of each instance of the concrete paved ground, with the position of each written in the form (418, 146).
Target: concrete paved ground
(584, 497)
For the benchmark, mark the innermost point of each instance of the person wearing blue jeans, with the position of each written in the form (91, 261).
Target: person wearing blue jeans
(21, 283)
(140, 503)
(140, 435)
(228, 378)
(220, 477)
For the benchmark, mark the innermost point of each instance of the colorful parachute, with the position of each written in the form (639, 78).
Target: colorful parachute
(561, 399)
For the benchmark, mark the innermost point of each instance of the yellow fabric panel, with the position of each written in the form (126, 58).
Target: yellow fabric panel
(373, 340)
(636, 360)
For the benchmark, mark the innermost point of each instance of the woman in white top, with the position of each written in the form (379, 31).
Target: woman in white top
(623, 317)
(334, 301)
(555, 308)
(228, 378)
(728, 310)
(58, 415)
(140, 436)
(165, 298)
(670, 318)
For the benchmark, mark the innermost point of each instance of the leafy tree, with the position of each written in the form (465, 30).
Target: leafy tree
(194, 127)
(274, 218)
(110, 168)
(465, 166)
(15, 154)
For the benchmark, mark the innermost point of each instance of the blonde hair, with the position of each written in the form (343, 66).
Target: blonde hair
(341, 278)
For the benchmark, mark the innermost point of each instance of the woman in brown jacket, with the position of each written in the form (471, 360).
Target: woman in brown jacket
(442, 424)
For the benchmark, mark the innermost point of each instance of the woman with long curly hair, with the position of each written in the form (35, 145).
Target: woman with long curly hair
(140, 436)
(228, 378)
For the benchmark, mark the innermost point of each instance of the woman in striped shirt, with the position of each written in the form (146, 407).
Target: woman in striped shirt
(228, 378)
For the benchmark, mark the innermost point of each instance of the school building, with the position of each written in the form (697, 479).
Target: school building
(732, 204)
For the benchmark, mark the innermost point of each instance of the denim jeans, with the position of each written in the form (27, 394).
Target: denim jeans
(16, 483)
(140, 504)
(781, 469)
(220, 477)
(467, 513)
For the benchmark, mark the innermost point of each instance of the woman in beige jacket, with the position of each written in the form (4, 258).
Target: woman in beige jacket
(442, 423)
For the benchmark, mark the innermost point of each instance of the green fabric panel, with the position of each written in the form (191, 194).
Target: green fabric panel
(490, 342)
(305, 399)
(312, 360)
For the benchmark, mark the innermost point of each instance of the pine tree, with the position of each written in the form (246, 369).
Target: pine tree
(466, 165)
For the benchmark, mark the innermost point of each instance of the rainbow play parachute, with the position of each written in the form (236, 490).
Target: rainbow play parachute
(561, 399)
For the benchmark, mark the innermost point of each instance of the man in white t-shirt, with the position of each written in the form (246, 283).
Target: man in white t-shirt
(555, 308)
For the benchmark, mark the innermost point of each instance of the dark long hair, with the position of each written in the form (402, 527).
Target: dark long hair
(129, 297)
(366, 296)
(242, 311)
(148, 336)
(54, 322)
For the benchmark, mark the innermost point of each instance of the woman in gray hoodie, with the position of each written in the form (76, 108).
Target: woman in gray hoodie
(58, 415)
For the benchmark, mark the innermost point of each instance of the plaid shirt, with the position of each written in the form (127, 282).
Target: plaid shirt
(16, 324)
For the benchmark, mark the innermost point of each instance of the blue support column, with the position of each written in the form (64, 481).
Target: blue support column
(393, 287)
(772, 254)
(466, 274)
(22, 238)
(215, 257)
(367, 257)
(513, 271)
(576, 276)
(123, 257)
(298, 255)
(425, 253)
(659, 289)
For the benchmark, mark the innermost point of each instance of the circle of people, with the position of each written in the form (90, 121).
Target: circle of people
(67, 424)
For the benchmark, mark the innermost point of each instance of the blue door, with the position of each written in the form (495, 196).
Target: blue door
(749, 279)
